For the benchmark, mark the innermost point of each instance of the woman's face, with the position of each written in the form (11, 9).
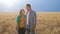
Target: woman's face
(22, 12)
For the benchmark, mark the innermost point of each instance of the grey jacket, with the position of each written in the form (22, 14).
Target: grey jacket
(32, 19)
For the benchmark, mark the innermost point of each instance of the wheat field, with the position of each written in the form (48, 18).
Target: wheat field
(47, 23)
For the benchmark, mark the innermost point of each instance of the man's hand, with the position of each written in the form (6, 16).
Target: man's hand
(33, 28)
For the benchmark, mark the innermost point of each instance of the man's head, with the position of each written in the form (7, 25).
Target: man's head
(28, 7)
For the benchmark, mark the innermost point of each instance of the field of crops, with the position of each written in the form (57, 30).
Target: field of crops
(47, 23)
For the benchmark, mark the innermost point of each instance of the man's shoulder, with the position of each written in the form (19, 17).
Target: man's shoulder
(33, 12)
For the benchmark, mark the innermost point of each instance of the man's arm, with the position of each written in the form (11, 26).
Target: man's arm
(34, 19)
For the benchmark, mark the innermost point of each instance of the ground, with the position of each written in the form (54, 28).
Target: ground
(47, 23)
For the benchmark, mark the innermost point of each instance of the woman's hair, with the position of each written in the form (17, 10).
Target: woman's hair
(22, 10)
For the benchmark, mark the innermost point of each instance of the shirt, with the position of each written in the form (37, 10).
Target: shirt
(22, 22)
(28, 18)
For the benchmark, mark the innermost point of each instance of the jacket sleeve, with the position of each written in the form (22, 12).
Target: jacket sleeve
(18, 19)
(34, 18)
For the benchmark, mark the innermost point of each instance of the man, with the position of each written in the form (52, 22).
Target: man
(30, 20)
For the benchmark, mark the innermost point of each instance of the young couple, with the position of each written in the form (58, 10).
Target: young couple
(26, 23)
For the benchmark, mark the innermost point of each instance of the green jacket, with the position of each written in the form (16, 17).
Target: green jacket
(18, 19)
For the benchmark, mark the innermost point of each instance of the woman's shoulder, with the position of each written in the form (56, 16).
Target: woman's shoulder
(24, 15)
(18, 16)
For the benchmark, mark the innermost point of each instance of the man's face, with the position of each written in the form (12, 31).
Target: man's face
(28, 8)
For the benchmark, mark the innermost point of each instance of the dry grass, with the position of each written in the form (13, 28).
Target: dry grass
(47, 23)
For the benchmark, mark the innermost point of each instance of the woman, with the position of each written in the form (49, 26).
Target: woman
(21, 22)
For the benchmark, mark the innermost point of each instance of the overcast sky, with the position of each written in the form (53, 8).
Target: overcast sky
(37, 5)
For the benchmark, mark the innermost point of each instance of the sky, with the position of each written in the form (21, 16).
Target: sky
(37, 5)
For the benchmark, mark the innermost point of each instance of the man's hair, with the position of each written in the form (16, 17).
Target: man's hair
(28, 5)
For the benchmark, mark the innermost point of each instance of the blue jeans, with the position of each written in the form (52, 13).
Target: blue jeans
(28, 31)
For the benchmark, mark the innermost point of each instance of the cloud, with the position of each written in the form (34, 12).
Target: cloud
(11, 5)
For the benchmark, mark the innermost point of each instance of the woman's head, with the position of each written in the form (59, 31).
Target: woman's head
(22, 12)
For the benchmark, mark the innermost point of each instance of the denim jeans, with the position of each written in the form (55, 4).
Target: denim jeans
(29, 31)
